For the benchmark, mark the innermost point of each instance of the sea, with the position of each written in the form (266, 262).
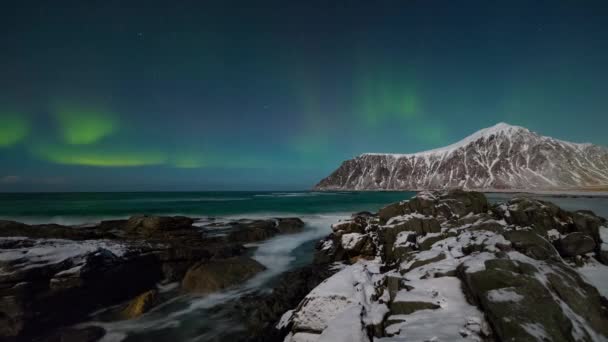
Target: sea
(207, 318)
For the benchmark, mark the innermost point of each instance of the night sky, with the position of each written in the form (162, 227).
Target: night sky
(230, 95)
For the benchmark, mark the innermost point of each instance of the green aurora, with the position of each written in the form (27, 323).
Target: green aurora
(220, 96)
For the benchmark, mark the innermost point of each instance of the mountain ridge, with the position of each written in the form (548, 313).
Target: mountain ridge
(500, 157)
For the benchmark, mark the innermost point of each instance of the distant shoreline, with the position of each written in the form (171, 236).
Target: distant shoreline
(603, 192)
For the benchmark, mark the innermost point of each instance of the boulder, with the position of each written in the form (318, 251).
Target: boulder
(392, 210)
(539, 215)
(349, 226)
(462, 203)
(528, 242)
(515, 298)
(575, 244)
(289, 225)
(215, 275)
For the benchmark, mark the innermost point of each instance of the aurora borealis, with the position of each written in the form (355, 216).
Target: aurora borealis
(229, 95)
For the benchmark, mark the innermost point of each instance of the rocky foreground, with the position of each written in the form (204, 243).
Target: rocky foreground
(450, 266)
(444, 266)
(53, 276)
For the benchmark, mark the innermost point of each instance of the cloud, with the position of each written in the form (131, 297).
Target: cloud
(13, 129)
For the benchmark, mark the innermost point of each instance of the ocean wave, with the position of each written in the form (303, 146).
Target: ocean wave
(300, 194)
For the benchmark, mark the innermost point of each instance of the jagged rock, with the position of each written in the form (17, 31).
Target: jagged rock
(499, 258)
(575, 244)
(140, 304)
(62, 273)
(425, 242)
(462, 203)
(388, 235)
(349, 226)
(421, 262)
(59, 281)
(390, 211)
(540, 215)
(214, 275)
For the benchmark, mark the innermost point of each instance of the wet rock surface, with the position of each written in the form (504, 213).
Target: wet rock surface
(448, 266)
(52, 276)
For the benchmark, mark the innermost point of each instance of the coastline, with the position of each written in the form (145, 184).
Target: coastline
(603, 192)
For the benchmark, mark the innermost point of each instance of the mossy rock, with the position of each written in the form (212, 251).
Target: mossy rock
(531, 244)
(511, 320)
(576, 243)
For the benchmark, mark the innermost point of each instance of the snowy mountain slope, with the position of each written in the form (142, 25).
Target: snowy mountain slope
(499, 157)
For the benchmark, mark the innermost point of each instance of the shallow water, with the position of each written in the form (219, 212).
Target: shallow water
(82, 208)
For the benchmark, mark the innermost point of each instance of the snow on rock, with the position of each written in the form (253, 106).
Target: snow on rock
(504, 295)
(553, 235)
(596, 274)
(285, 319)
(537, 331)
(418, 293)
(351, 240)
(404, 239)
(604, 238)
(345, 327)
(350, 288)
(34, 253)
(455, 320)
(499, 157)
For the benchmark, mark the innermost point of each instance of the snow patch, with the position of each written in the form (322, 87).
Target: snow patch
(504, 295)
(351, 240)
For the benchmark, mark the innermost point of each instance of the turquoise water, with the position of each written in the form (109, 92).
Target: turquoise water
(78, 208)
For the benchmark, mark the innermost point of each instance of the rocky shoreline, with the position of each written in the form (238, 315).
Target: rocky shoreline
(443, 266)
(53, 276)
(448, 266)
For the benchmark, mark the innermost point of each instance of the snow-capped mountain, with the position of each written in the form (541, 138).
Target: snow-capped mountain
(499, 157)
